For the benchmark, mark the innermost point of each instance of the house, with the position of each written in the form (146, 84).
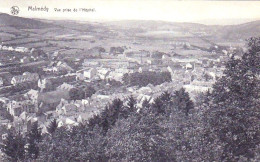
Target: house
(67, 109)
(103, 97)
(145, 90)
(197, 89)
(4, 100)
(21, 49)
(174, 69)
(89, 74)
(189, 66)
(61, 111)
(69, 122)
(80, 76)
(166, 57)
(143, 69)
(24, 60)
(65, 121)
(63, 66)
(154, 61)
(44, 84)
(10, 48)
(122, 70)
(103, 73)
(62, 103)
(85, 102)
(32, 50)
(113, 75)
(28, 77)
(65, 86)
(50, 69)
(44, 129)
(58, 68)
(32, 95)
(55, 54)
(91, 63)
(4, 48)
(1, 82)
(19, 123)
(60, 123)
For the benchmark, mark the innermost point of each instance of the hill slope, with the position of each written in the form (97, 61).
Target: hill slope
(241, 31)
(21, 23)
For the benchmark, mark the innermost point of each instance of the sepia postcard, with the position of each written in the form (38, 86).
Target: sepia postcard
(128, 80)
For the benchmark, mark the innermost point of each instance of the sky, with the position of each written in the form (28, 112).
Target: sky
(206, 12)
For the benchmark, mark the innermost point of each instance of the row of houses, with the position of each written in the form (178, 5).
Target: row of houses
(15, 105)
(26, 77)
(101, 73)
(17, 49)
(8, 79)
(35, 101)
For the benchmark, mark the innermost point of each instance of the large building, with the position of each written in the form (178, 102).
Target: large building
(20, 104)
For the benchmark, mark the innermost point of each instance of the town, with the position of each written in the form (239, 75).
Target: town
(144, 80)
(39, 86)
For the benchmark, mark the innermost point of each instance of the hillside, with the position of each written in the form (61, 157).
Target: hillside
(241, 31)
(21, 23)
(80, 36)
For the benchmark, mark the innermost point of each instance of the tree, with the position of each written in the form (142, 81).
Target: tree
(53, 126)
(93, 146)
(33, 139)
(14, 146)
(233, 112)
(138, 139)
(187, 137)
(182, 101)
(60, 146)
(131, 104)
(158, 107)
(146, 77)
(111, 113)
(107, 118)
(76, 94)
(145, 105)
(126, 79)
(89, 91)
(163, 104)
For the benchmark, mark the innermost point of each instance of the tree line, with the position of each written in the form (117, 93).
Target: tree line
(145, 78)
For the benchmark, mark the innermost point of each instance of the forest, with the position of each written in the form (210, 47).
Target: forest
(220, 125)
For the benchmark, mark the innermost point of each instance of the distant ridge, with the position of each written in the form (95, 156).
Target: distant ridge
(241, 31)
(231, 32)
(20, 22)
